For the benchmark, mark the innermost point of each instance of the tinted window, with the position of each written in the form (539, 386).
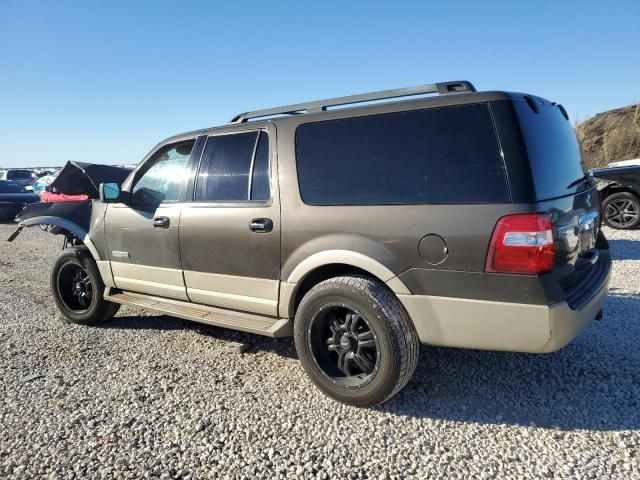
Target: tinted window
(18, 174)
(439, 155)
(553, 150)
(260, 177)
(224, 170)
(164, 177)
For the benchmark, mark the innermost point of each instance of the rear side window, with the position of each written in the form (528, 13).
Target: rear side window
(234, 168)
(552, 148)
(437, 155)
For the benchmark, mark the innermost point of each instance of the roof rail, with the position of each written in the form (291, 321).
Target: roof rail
(321, 105)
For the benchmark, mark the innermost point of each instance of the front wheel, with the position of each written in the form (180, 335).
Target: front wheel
(622, 210)
(355, 340)
(78, 288)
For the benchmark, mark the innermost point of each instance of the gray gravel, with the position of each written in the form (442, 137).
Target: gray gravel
(151, 396)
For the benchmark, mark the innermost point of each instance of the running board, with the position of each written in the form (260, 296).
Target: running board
(219, 317)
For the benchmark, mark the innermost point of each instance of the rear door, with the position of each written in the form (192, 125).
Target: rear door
(230, 231)
(142, 235)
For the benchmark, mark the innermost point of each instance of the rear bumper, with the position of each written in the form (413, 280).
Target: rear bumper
(489, 325)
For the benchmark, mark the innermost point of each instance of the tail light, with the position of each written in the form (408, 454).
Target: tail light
(522, 244)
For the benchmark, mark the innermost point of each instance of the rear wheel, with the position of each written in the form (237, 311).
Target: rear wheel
(78, 288)
(622, 210)
(355, 340)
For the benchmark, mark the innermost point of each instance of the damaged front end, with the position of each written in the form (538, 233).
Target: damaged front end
(71, 219)
(78, 221)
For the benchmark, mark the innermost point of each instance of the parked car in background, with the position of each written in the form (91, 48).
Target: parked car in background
(13, 198)
(620, 193)
(22, 177)
(625, 163)
(44, 173)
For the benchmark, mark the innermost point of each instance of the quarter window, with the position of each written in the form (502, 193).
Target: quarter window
(436, 155)
(260, 179)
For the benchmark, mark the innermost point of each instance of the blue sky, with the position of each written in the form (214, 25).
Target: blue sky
(105, 81)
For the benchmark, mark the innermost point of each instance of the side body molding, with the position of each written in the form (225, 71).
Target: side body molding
(289, 287)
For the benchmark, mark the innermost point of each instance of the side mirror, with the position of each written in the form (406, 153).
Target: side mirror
(109, 192)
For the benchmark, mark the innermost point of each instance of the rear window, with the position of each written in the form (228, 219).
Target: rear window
(15, 174)
(553, 150)
(437, 155)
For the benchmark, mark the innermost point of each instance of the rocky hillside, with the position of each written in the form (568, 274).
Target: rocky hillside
(611, 136)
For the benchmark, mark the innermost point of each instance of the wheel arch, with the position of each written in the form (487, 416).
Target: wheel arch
(66, 227)
(617, 188)
(323, 265)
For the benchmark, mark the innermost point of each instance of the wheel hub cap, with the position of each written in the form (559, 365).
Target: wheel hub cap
(345, 343)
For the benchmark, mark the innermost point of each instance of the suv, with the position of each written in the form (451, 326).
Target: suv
(24, 178)
(463, 219)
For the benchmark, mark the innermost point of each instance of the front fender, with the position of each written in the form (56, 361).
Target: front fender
(68, 217)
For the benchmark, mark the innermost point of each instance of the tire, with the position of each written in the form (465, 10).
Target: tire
(348, 370)
(72, 267)
(621, 211)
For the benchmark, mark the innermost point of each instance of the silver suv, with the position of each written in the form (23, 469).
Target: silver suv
(462, 219)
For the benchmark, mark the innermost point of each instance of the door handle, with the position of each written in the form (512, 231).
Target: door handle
(161, 222)
(261, 225)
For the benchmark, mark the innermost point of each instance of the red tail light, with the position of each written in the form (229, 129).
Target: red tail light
(522, 244)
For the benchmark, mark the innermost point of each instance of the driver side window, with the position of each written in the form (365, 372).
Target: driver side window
(164, 176)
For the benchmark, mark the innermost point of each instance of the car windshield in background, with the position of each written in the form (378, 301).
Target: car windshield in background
(9, 187)
(554, 153)
(18, 174)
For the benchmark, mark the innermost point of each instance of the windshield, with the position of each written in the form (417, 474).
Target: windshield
(553, 150)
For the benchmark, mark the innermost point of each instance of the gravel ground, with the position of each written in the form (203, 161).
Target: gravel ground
(152, 396)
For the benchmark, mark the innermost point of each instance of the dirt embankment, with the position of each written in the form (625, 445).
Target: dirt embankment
(611, 136)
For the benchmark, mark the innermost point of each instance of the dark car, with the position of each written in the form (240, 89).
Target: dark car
(13, 198)
(620, 192)
(22, 177)
(464, 219)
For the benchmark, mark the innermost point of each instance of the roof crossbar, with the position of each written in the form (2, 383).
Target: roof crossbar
(322, 105)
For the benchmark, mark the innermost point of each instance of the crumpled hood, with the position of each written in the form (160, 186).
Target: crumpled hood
(78, 178)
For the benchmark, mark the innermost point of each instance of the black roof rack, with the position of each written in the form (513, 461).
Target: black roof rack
(322, 105)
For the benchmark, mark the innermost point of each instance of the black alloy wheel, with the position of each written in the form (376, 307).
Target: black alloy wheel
(78, 289)
(344, 345)
(355, 339)
(75, 287)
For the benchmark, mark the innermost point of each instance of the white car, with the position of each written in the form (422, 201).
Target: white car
(625, 163)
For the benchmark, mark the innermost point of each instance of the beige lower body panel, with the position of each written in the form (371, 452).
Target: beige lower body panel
(104, 268)
(257, 295)
(164, 282)
(486, 325)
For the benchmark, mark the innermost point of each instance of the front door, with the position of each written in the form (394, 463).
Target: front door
(142, 235)
(230, 232)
